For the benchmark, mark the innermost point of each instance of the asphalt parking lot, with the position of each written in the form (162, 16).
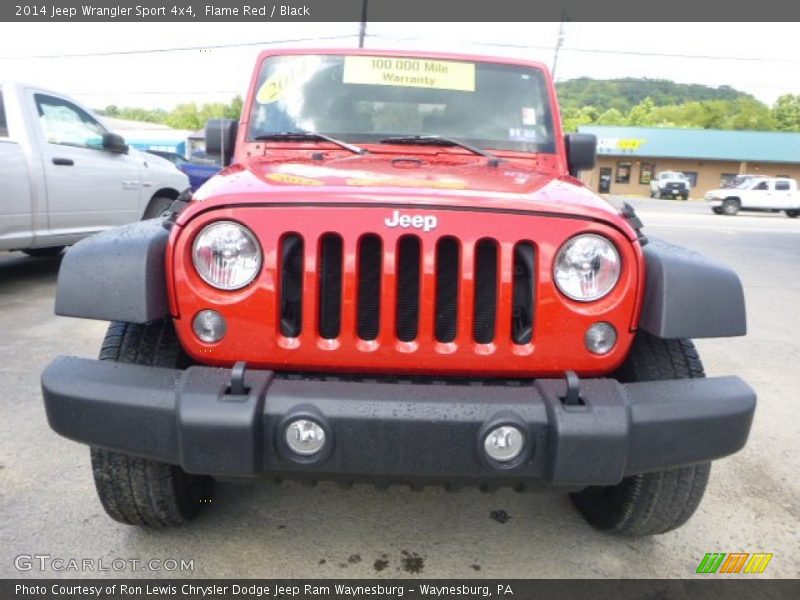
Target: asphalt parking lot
(48, 504)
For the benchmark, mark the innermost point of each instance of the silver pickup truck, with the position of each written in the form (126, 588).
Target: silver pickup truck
(64, 175)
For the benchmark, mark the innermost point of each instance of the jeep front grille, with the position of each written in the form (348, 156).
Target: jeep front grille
(405, 303)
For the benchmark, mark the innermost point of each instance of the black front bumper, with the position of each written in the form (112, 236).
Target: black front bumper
(399, 432)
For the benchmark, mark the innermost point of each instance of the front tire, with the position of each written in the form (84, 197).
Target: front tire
(158, 207)
(730, 206)
(139, 491)
(793, 213)
(657, 502)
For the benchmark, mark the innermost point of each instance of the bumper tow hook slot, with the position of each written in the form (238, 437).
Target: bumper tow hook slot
(572, 397)
(237, 379)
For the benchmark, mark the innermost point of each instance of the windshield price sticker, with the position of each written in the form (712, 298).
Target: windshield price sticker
(410, 72)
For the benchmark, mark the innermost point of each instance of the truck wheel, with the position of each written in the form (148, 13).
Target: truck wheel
(730, 206)
(157, 207)
(793, 213)
(139, 491)
(44, 252)
(657, 502)
(684, 196)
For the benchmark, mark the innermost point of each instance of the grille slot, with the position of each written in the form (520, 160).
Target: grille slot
(291, 292)
(485, 302)
(447, 275)
(523, 300)
(408, 286)
(369, 286)
(329, 278)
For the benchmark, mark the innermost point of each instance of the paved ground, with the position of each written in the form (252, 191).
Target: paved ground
(48, 505)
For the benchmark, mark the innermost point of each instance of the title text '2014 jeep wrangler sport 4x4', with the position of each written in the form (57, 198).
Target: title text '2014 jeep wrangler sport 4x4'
(398, 279)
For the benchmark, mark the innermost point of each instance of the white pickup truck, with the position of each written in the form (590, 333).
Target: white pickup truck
(757, 193)
(64, 175)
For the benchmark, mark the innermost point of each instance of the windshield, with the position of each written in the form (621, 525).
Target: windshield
(369, 98)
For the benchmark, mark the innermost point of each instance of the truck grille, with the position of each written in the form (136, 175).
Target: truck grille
(398, 295)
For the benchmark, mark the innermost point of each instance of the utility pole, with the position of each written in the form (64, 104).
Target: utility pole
(363, 28)
(559, 42)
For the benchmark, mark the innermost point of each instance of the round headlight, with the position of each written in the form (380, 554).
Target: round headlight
(587, 267)
(226, 255)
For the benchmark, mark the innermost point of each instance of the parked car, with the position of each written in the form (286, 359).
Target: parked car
(757, 194)
(672, 184)
(198, 172)
(64, 175)
(432, 299)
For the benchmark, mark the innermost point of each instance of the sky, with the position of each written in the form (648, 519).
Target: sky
(760, 58)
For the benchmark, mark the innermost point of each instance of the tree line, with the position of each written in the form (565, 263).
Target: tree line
(584, 101)
(191, 116)
(661, 103)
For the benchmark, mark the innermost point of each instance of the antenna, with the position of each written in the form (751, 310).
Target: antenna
(559, 42)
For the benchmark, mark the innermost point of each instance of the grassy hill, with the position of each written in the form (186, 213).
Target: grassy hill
(624, 94)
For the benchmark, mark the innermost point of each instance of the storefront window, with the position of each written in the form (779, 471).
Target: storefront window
(646, 172)
(692, 177)
(623, 172)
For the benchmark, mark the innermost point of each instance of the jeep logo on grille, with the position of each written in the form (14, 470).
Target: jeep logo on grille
(424, 222)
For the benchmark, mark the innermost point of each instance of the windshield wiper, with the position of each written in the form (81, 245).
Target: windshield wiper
(308, 135)
(438, 140)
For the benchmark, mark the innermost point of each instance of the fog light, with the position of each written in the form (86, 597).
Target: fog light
(305, 437)
(504, 443)
(209, 326)
(600, 338)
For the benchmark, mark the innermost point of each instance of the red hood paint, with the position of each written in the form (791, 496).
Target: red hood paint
(405, 176)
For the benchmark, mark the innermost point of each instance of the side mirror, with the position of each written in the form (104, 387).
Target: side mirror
(581, 152)
(114, 143)
(221, 138)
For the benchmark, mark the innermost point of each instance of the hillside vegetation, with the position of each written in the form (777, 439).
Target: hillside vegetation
(662, 103)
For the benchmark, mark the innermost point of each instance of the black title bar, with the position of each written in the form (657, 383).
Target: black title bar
(397, 10)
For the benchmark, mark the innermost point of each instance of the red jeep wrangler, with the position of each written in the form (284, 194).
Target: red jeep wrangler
(399, 279)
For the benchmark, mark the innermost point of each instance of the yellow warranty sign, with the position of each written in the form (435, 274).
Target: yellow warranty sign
(410, 72)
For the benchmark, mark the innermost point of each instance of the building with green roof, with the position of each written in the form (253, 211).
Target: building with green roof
(628, 157)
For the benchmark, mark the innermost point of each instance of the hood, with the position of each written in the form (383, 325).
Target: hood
(455, 180)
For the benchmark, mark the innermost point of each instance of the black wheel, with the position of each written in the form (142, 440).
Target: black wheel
(684, 196)
(661, 501)
(793, 213)
(716, 210)
(157, 207)
(44, 252)
(652, 194)
(730, 206)
(134, 490)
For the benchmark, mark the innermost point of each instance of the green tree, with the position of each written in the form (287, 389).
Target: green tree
(612, 117)
(185, 116)
(786, 113)
(642, 113)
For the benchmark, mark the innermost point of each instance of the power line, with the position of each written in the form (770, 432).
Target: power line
(401, 39)
(598, 50)
(180, 49)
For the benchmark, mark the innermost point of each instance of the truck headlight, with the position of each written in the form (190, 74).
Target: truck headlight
(586, 267)
(226, 255)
